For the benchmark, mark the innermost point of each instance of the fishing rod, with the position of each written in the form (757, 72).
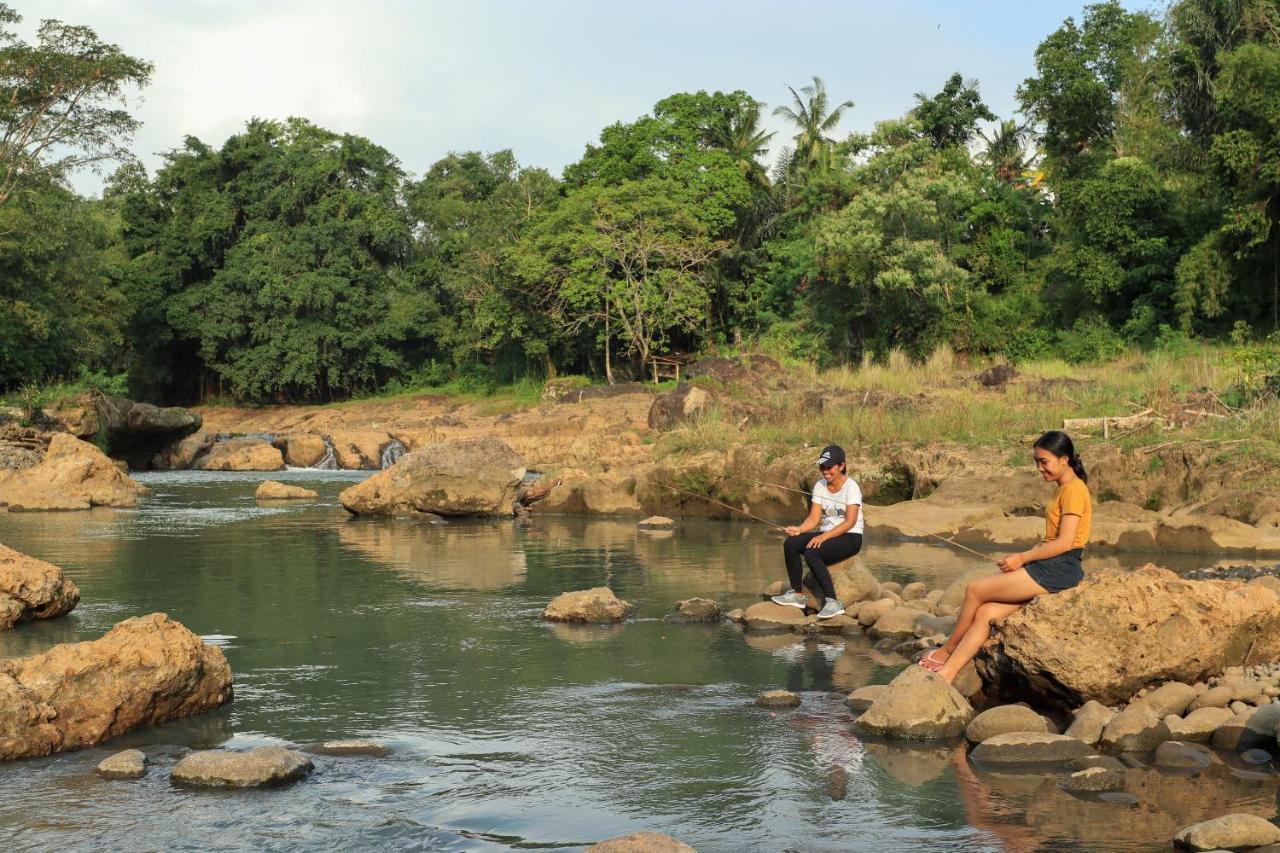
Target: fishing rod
(718, 503)
(903, 523)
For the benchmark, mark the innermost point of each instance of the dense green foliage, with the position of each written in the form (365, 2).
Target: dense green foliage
(1137, 202)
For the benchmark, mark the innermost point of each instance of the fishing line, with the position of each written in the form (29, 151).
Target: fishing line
(718, 503)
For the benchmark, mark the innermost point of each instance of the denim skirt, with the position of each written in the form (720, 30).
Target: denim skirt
(1058, 573)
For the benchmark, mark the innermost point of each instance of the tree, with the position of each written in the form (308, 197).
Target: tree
(738, 132)
(62, 98)
(951, 117)
(813, 121)
(1006, 150)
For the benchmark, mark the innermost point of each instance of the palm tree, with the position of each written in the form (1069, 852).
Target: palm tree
(1006, 150)
(810, 115)
(746, 143)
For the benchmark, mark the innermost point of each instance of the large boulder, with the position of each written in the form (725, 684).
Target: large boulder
(1119, 631)
(673, 408)
(767, 616)
(32, 589)
(143, 671)
(360, 450)
(303, 450)
(255, 768)
(595, 606)
(1003, 720)
(73, 474)
(1229, 832)
(917, 704)
(125, 427)
(475, 476)
(241, 454)
(1135, 729)
(854, 583)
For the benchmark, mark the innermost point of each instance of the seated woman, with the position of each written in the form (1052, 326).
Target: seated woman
(1051, 566)
(836, 510)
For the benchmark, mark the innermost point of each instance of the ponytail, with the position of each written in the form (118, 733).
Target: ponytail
(1059, 443)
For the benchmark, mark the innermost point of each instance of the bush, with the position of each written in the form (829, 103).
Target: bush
(1259, 365)
(1091, 339)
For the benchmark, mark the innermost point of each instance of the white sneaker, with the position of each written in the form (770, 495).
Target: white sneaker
(831, 608)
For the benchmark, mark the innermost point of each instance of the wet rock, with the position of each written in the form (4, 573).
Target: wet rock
(657, 522)
(181, 455)
(869, 612)
(1230, 832)
(73, 474)
(1255, 756)
(1253, 728)
(302, 451)
(862, 698)
(596, 606)
(672, 408)
(1004, 719)
(1029, 748)
(1135, 729)
(767, 616)
(1109, 762)
(477, 476)
(914, 590)
(271, 490)
(240, 454)
(899, 623)
(1174, 755)
(1089, 722)
(641, 842)
(778, 699)
(1061, 650)
(348, 748)
(360, 450)
(1095, 780)
(130, 764)
(917, 704)
(696, 610)
(737, 615)
(32, 589)
(217, 768)
(1199, 725)
(1170, 698)
(143, 671)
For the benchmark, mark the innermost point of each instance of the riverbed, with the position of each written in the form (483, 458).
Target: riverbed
(507, 732)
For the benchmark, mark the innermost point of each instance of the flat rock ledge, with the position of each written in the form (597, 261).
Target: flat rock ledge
(1229, 832)
(130, 764)
(1029, 748)
(255, 768)
(274, 490)
(592, 606)
(348, 748)
(143, 671)
(32, 589)
(642, 842)
(1095, 780)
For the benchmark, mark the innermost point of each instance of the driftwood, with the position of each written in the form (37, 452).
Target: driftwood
(1107, 423)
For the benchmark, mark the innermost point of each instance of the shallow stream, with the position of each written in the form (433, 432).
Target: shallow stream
(508, 733)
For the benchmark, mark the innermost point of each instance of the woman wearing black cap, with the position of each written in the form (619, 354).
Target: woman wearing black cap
(836, 512)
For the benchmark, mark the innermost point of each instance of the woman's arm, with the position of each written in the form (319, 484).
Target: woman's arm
(850, 519)
(809, 523)
(1066, 539)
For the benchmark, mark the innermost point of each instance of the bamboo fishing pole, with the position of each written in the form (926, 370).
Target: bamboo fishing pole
(718, 503)
(903, 523)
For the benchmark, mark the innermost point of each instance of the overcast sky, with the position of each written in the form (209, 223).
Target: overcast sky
(541, 77)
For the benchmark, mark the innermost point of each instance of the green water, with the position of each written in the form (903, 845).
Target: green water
(508, 732)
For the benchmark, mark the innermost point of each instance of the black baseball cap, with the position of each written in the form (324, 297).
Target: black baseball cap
(831, 455)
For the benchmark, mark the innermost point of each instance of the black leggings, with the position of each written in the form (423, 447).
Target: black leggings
(834, 550)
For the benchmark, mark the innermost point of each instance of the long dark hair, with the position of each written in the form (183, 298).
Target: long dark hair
(1059, 443)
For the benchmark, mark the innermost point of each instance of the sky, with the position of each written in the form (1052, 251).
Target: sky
(541, 77)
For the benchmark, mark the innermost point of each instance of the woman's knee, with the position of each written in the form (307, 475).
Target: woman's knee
(794, 543)
(987, 613)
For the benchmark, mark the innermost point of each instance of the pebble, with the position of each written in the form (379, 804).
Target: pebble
(1256, 756)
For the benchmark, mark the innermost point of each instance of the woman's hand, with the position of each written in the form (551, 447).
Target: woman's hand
(1012, 563)
(816, 542)
(791, 530)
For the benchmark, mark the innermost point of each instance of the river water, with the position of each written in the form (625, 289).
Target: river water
(508, 733)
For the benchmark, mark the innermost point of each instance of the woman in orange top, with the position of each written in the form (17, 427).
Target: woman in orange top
(1051, 566)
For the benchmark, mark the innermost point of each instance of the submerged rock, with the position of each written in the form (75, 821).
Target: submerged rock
(1173, 755)
(73, 474)
(1229, 832)
(477, 476)
(32, 589)
(917, 704)
(656, 522)
(130, 764)
(1095, 780)
(1118, 631)
(641, 842)
(347, 748)
(217, 768)
(695, 610)
(596, 606)
(144, 670)
(272, 490)
(1029, 748)
(778, 699)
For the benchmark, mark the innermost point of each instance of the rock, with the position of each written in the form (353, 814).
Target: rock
(1118, 631)
(1230, 832)
(778, 699)
(271, 490)
(862, 698)
(997, 375)
(1135, 729)
(696, 610)
(1255, 756)
(181, 455)
(1199, 725)
(130, 764)
(72, 474)
(1108, 761)
(737, 615)
(929, 626)
(657, 522)
(595, 606)
(914, 590)
(360, 450)
(348, 748)
(641, 842)
(1029, 748)
(476, 476)
(1214, 697)
(968, 684)
(1170, 698)
(917, 704)
(32, 589)
(953, 595)
(1238, 708)
(899, 623)
(891, 587)
(853, 583)
(775, 588)
(869, 612)
(767, 616)
(124, 427)
(672, 408)
(1175, 755)
(1089, 722)
(1004, 719)
(302, 451)
(1253, 728)
(218, 768)
(143, 671)
(1095, 780)
(240, 454)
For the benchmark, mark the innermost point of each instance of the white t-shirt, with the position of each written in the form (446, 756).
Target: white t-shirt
(835, 505)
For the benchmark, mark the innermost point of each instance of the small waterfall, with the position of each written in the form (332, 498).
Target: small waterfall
(328, 462)
(268, 437)
(391, 453)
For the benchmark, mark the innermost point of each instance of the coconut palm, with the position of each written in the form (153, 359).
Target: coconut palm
(741, 136)
(1006, 150)
(809, 114)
